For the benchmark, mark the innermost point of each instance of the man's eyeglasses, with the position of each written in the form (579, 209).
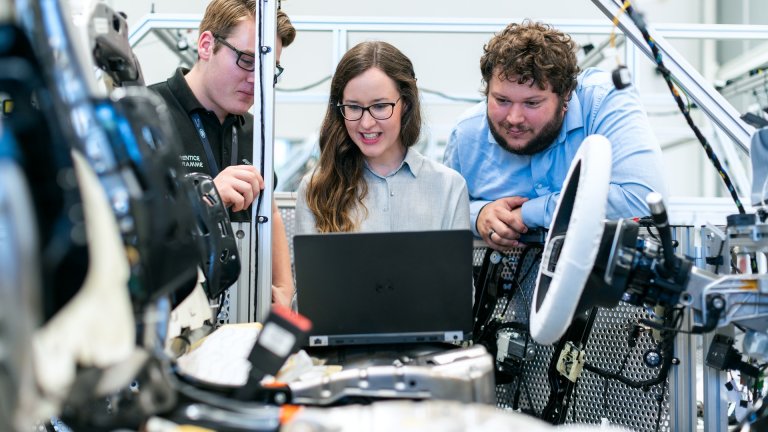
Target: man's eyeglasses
(379, 111)
(278, 71)
(244, 60)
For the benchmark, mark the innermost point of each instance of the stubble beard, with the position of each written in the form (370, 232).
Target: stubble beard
(540, 142)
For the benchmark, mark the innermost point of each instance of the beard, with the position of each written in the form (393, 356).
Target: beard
(541, 141)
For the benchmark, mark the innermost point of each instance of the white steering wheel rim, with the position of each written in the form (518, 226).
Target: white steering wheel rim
(562, 289)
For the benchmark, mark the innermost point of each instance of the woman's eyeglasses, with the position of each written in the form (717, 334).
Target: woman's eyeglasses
(379, 111)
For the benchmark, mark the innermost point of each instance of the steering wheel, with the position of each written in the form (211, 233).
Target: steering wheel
(567, 260)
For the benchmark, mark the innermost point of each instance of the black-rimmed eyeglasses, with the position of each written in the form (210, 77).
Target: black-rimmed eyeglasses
(278, 71)
(244, 61)
(379, 111)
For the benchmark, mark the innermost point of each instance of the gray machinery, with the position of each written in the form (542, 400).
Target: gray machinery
(588, 263)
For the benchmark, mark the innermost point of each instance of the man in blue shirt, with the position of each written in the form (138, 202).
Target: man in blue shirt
(514, 149)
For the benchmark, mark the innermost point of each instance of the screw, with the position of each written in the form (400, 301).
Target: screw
(652, 359)
(718, 302)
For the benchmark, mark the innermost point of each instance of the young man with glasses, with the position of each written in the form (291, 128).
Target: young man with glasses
(209, 106)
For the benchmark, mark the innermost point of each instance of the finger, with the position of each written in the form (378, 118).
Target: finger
(246, 192)
(231, 198)
(517, 225)
(248, 174)
(504, 243)
(513, 202)
(500, 243)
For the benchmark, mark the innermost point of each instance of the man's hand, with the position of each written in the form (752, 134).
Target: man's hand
(500, 222)
(238, 186)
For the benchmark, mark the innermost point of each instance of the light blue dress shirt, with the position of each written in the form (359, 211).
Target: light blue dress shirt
(420, 195)
(596, 107)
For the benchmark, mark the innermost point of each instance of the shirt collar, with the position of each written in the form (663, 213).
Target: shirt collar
(179, 87)
(413, 160)
(574, 118)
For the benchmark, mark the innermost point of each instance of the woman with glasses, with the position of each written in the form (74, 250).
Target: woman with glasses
(369, 177)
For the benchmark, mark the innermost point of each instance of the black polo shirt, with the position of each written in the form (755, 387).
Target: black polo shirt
(182, 105)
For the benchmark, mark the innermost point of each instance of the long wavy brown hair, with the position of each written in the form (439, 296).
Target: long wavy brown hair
(337, 186)
(532, 52)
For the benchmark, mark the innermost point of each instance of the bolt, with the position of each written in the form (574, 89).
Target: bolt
(718, 302)
(652, 359)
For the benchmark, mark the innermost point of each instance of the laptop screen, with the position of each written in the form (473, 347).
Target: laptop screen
(391, 287)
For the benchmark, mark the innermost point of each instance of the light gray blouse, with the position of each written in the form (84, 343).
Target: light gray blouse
(420, 195)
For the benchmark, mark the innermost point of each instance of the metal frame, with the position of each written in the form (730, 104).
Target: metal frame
(717, 108)
(262, 260)
(682, 378)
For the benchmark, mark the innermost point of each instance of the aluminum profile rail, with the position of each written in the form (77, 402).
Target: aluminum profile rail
(695, 85)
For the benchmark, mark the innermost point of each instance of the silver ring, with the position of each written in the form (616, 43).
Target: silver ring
(491, 232)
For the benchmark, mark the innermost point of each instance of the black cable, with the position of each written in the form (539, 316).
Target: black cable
(666, 348)
(483, 281)
(516, 276)
(528, 396)
(301, 89)
(618, 372)
(222, 296)
(422, 89)
(262, 120)
(719, 255)
(449, 97)
(666, 74)
(661, 403)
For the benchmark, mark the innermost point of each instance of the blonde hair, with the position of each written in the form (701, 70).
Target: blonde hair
(221, 16)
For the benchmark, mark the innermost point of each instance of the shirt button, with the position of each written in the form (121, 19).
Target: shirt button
(391, 193)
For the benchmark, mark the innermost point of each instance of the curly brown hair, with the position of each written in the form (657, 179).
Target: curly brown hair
(532, 52)
(337, 186)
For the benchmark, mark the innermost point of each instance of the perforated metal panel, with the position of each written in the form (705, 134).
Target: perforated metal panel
(597, 397)
(223, 316)
(534, 387)
(594, 397)
(288, 212)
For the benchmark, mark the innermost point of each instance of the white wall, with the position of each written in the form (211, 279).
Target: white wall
(448, 63)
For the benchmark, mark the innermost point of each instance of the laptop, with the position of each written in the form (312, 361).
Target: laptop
(385, 288)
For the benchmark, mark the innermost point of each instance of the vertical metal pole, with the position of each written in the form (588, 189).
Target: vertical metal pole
(239, 294)
(264, 118)
(682, 378)
(340, 46)
(682, 382)
(715, 405)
